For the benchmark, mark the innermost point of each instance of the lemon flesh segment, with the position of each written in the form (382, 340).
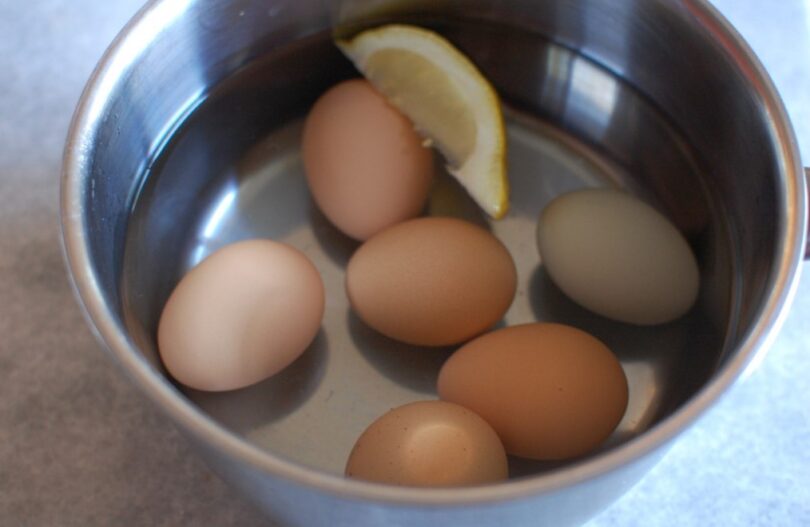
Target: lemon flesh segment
(446, 98)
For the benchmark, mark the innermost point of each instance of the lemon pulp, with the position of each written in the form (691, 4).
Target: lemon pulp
(446, 98)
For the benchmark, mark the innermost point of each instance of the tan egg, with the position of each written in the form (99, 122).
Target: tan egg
(240, 316)
(428, 444)
(364, 163)
(550, 391)
(431, 281)
(618, 257)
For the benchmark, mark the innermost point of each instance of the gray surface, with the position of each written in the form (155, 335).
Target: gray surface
(78, 444)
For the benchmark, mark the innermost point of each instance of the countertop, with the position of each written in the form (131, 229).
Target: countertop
(80, 446)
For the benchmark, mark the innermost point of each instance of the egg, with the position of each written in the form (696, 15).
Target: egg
(550, 391)
(618, 257)
(241, 315)
(428, 444)
(431, 281)
(364, 163)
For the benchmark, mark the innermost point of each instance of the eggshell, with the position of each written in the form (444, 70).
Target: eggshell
(241, 315)
(428, 444)
(364, 163)
(550, 391)
(431, 281)
(618, 257)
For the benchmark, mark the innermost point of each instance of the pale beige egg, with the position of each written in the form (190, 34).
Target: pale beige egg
(617, 256)
(365, 165)
(241, 315)
(550, 391)
(429, 444)
(431, 281)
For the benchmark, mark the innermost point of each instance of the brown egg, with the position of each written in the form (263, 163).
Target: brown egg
(431, 281)
(550, 391)
(428, 444)
(242, 315)
(364, 163)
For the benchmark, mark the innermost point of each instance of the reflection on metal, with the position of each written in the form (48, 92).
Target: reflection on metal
(644, 403)
(219, 213)
(554, 86)
(593, 95)
(213, 224)
(131, 50)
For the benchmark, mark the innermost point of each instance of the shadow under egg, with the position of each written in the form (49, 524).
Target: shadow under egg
(254, 406)
(414, 367)
(336, 245)
(447, 198)
(520, 467)
(664, 364)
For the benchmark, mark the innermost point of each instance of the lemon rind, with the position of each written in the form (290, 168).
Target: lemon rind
(483, 173)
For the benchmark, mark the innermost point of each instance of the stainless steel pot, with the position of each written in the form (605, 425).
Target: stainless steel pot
(186, 139)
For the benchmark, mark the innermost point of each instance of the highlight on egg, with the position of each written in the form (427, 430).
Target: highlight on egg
(428, 444)
(550, 391)
(365, 165)
(242, 315)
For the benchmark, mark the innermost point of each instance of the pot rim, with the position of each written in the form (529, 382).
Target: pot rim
(77, 165)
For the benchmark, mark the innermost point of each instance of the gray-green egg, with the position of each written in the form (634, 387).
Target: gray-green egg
(617, 256)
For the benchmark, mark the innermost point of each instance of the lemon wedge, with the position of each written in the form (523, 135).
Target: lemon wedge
(447, 99)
